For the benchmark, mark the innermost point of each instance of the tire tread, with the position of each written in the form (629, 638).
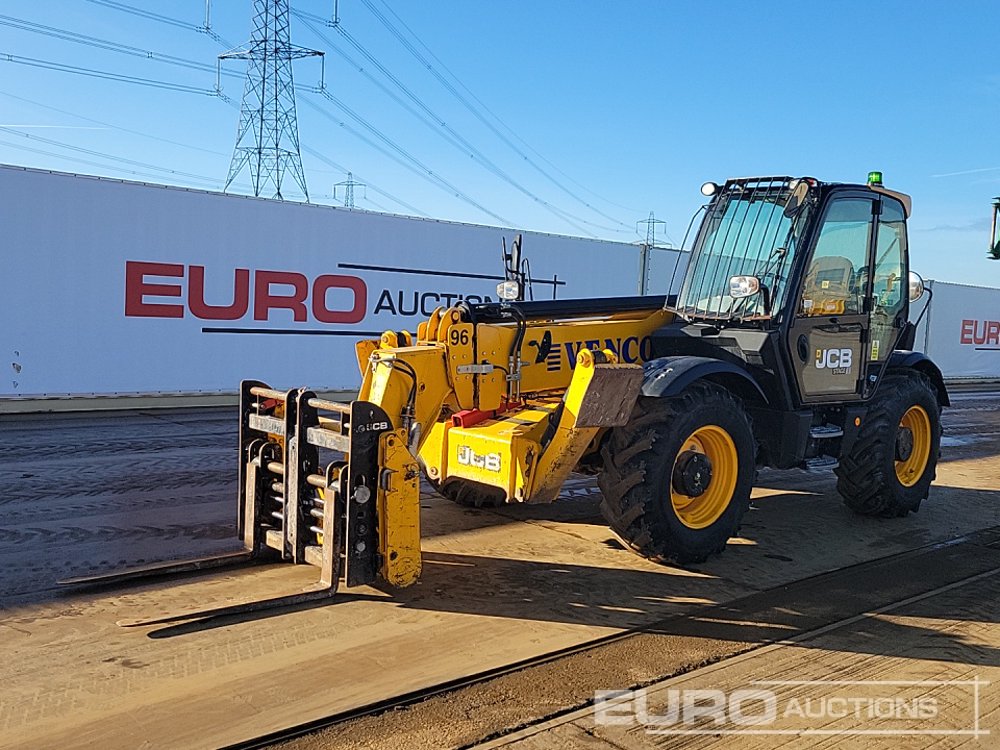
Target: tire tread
(862, 479)
(629, 501)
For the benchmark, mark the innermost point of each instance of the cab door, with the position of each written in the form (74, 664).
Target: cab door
(829, 332)
(889, 289)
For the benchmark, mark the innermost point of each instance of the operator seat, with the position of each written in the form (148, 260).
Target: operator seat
(827, 287)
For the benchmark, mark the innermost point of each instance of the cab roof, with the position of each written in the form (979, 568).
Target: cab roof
(765, 182)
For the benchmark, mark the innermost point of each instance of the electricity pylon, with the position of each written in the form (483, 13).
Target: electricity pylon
(349, 184)
(649, 244)
(267, 139)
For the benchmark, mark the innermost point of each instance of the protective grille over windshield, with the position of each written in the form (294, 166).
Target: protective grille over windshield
(745, 232)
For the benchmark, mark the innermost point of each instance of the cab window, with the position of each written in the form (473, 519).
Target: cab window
(889, 282)
(836, 277)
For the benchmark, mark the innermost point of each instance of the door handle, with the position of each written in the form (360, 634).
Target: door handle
(840, 328)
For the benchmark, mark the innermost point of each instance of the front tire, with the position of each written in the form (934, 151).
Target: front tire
(677, 479)
(891, 465)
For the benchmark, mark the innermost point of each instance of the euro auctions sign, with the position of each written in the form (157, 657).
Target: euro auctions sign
(962, 330)
(301, 296)
(984, 333)
(258, 295)
(125, 288)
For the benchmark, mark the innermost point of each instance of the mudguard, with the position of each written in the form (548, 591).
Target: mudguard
(902, 359)
(668, 376)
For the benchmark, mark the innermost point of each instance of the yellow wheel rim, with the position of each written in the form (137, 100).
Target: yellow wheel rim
(909, 471)
(705, 509)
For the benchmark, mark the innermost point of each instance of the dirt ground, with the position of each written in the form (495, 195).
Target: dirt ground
(88, 493)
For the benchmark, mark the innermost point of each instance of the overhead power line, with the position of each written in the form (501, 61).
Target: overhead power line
(145, 54)
(206, 182)
(104, 74)
(401, 155)
(341, 168)
(482, 112)
(398, 201)
(147, 14)
(150, 15)
(371, 186)
(210, 181)
(377, 205)
(450, 133)
(92, 152)
(396, 152)
(213, 183)
(200, 178)
(98, 43)
(79, 160)
(434, 121)
(112, 126)
(496, 118)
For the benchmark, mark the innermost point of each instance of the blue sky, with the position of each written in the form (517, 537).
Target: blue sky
(627, 107)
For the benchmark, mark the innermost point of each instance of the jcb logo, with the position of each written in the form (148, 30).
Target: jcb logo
(834, 359)
(488, 461)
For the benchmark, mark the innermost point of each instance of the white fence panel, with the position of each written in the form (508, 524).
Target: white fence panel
(114, 287)
(962, 330)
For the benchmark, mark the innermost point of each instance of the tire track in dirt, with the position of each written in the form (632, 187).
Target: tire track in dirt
(105, 533)
(119, 504)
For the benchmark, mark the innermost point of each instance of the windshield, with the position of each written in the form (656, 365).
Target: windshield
(745, 232)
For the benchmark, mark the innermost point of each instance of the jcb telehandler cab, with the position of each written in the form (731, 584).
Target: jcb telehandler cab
(787, 346)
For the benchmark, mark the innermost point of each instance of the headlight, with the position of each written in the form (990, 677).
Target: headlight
(509, 290)
(743, 286)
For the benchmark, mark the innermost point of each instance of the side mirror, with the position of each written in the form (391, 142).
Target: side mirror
(916, 286)
(743, 286)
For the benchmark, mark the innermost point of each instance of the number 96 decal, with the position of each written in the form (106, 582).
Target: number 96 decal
(458, 336)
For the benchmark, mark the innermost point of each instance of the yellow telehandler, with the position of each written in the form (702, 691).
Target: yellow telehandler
(789, 345)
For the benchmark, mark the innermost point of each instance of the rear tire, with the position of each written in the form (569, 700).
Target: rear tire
(874, 479)
(644, 472)
(470, 494)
